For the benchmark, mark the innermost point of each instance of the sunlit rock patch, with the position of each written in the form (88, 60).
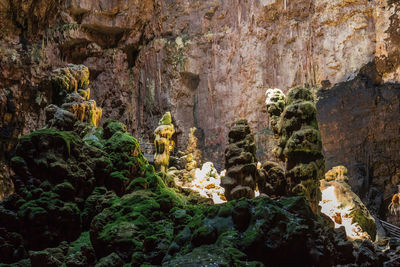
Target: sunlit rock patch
(344, 207)
(207, 182)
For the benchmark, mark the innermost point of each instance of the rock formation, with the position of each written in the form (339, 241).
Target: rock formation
(163, 143)
(344, 206)
(275, 103)
(240, 162)
(70, 90)
(272, 180)
(146, 58)
(115, 210)
(299, 144)
(192, 146)
(359, 128)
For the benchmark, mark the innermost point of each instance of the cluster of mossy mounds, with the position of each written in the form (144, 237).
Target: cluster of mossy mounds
(70, 91)
(300, 145)
(349, 201)
(89, 198)
(63, 179)
(240, 162)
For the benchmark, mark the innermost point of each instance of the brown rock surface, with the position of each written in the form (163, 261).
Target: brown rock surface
(208, 62)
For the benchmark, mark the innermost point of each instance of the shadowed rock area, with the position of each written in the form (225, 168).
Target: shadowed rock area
(359, 124)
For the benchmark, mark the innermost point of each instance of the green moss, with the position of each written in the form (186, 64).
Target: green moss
(112, 260)
(18, 161)
(122, 145)
(169, 198)
(139, 183)
(367, 223)
(69, 138)
(65, 190)
(21, 263)
(111, 127)
(166, 119)
(299, 93)
(75, 246)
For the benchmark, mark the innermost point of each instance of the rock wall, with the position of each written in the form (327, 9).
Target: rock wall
(208, 62)
(359, 124)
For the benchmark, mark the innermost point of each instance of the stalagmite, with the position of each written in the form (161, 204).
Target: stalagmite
(163, 142)
(300, 146)
(240, 162)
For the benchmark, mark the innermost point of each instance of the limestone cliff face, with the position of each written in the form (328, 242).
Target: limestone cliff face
(208, 62)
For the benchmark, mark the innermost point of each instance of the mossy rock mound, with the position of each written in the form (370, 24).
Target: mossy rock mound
(111, 127)
(77, 204)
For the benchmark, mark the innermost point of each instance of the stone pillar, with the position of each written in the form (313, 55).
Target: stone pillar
(163, 142)
(240, 162)
(300, 146)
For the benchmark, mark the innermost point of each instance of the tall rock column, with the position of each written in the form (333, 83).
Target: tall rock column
(162, 142)
(275, 102)
(300, 145)
(240, 162)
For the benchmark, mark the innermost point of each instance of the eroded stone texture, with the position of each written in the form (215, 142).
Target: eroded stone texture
(275, 103)
(272, 179)
(192, 146)
(240, 162)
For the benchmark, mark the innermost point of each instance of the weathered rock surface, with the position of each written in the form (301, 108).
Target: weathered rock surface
(163, 143)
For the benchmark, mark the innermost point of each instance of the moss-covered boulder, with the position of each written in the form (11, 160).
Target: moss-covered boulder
(111, 127)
